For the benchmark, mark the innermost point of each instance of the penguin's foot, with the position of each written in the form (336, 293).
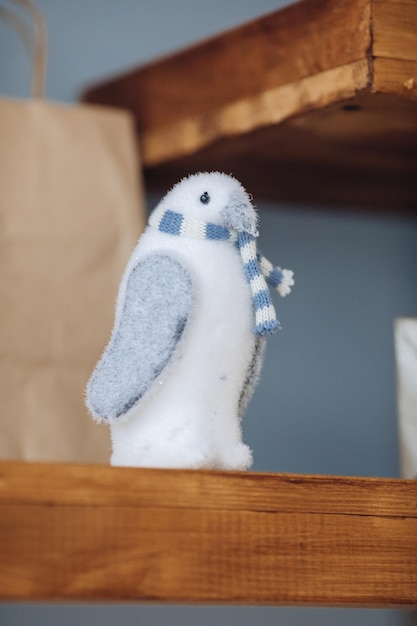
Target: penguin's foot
(163, 456)
(237, 457)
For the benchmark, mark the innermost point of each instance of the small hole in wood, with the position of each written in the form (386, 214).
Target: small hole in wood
(351, 107)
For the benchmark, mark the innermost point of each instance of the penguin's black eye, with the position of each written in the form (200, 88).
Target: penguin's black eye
(205, 198)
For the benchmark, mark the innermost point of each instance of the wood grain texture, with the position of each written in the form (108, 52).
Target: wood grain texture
(100, 533)
(394, 29)
(399, 78)
(265, 109)
(301, 40)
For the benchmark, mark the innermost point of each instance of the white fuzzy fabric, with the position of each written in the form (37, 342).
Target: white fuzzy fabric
(189, 413)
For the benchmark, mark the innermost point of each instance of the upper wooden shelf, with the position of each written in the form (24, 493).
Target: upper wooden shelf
(85, 532)
(315, 103)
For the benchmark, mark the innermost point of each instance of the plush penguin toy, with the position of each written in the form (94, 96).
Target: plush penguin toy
(192, 315)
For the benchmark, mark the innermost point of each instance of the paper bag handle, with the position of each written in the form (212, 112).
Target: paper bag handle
(36, 42)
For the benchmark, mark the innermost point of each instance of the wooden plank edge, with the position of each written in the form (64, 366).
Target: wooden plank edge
(196, 556)
(395, 76)
(99, 485)
(270, 107)
(273, 50)
(79, 532)
(394, 29)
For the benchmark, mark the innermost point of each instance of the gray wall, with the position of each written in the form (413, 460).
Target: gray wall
(326, 402)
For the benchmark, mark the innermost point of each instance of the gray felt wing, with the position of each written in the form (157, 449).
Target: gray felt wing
(157, 303)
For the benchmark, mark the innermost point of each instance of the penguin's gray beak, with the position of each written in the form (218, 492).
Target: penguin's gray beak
(239, 215)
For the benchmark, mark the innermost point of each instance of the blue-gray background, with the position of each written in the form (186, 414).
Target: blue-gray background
(327, 399)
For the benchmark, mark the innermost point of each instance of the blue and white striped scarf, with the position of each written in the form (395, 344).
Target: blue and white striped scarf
(257, 268)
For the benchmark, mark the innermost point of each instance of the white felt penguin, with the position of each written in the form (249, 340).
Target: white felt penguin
(192, 314)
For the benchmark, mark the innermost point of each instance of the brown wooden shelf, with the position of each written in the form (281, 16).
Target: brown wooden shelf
(315, 103)
(88, 532)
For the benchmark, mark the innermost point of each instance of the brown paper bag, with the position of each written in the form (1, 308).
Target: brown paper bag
(70, 214)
